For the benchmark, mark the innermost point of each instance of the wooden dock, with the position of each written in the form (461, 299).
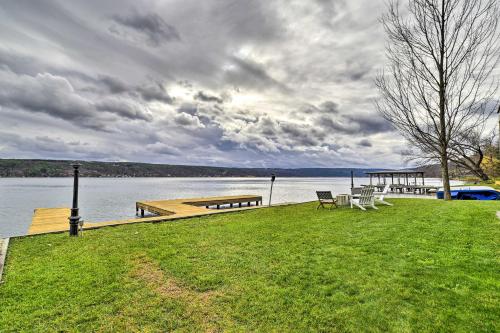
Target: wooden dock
(403, 188)
(49, 220)
(194, 206)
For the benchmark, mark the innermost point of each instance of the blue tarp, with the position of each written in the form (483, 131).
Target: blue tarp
(471, 193)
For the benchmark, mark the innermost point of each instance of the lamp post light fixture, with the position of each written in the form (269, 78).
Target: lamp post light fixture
(74, 219)
(273, 178)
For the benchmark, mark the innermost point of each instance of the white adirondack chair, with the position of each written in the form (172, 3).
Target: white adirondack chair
(366, 199)
(379, 196)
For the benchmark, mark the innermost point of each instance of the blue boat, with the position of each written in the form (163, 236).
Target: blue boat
(471, 193)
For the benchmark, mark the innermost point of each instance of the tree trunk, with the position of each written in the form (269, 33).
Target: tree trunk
(446, 176)
(442, 107)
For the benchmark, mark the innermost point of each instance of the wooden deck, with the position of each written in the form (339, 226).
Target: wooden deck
(49, 220)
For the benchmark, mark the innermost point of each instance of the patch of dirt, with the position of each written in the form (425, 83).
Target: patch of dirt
(198, 304)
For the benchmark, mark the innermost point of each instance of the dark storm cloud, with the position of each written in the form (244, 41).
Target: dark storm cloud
(163, 149)
(99, 84)
(356, 70)
(114, 85)
(55, 96)
(155, 92)
(45, 93)
(248, 73)
(371, 124)
(302, 135)
(149, 92)
(364, 143)
(124, 108)
(18, 63)
(327, 107)
(151, 26)
(190, 109)
(330, 118)
(49, 147)
(204, 97)
(266, 134)
(268, 127)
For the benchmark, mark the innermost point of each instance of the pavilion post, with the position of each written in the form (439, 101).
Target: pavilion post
(392, 179)
(423, 180)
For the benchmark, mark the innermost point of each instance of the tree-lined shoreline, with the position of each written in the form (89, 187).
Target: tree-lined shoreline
(62, 168)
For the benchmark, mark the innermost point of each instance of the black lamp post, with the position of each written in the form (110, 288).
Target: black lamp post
(273, 178)
(74, 219)
(352, 179)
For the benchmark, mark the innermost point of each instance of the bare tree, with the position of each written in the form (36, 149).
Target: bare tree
(441, 54)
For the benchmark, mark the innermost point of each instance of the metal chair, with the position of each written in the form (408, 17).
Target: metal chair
(326, 198)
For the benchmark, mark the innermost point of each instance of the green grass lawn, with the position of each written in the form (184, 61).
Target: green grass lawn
(421, 265)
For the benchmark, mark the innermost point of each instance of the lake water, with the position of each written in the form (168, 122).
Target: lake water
(104, 199)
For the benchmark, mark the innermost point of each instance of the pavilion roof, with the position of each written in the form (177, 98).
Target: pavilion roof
(395, 172)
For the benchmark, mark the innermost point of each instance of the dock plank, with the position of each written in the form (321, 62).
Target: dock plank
(49, 220)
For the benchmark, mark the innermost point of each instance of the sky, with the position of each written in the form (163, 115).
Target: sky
(271, 83)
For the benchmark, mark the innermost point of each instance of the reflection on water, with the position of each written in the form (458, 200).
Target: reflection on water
(114, 198)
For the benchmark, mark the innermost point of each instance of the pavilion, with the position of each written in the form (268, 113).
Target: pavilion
(405, 175)
(401, 181)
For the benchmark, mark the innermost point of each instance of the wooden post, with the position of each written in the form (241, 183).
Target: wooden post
(142, 212)
(231, 205)
(248, 204)
(218, 206)
(239, 204)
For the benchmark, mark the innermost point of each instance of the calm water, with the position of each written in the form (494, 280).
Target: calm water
(114, 198)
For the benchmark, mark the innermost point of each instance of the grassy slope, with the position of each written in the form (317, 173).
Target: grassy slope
(422, 265)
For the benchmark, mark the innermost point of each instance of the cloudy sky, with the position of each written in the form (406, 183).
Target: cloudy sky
(271, 83)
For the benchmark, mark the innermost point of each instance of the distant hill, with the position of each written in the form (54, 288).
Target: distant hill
(62, 168)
